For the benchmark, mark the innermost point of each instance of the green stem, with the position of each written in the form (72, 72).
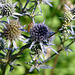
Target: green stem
(4, 70)
(13, 58)
(21, 50)
(55, 33)
(54, 64)
(7, 58)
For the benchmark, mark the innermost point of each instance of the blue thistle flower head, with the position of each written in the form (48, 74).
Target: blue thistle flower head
(39, 32)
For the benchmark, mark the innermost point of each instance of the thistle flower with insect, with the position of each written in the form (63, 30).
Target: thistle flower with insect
(39, 35)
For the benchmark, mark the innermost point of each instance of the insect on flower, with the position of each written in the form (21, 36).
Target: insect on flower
(39, 35)
(30, 26)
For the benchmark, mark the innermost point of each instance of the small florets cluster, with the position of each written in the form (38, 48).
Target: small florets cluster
(67, 17)
(71, 15)
(39, 32)
(12, 30)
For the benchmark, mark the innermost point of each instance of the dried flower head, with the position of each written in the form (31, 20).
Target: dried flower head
(12, 32)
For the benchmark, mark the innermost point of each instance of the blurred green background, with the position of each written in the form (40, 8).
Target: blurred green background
(63, 64)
